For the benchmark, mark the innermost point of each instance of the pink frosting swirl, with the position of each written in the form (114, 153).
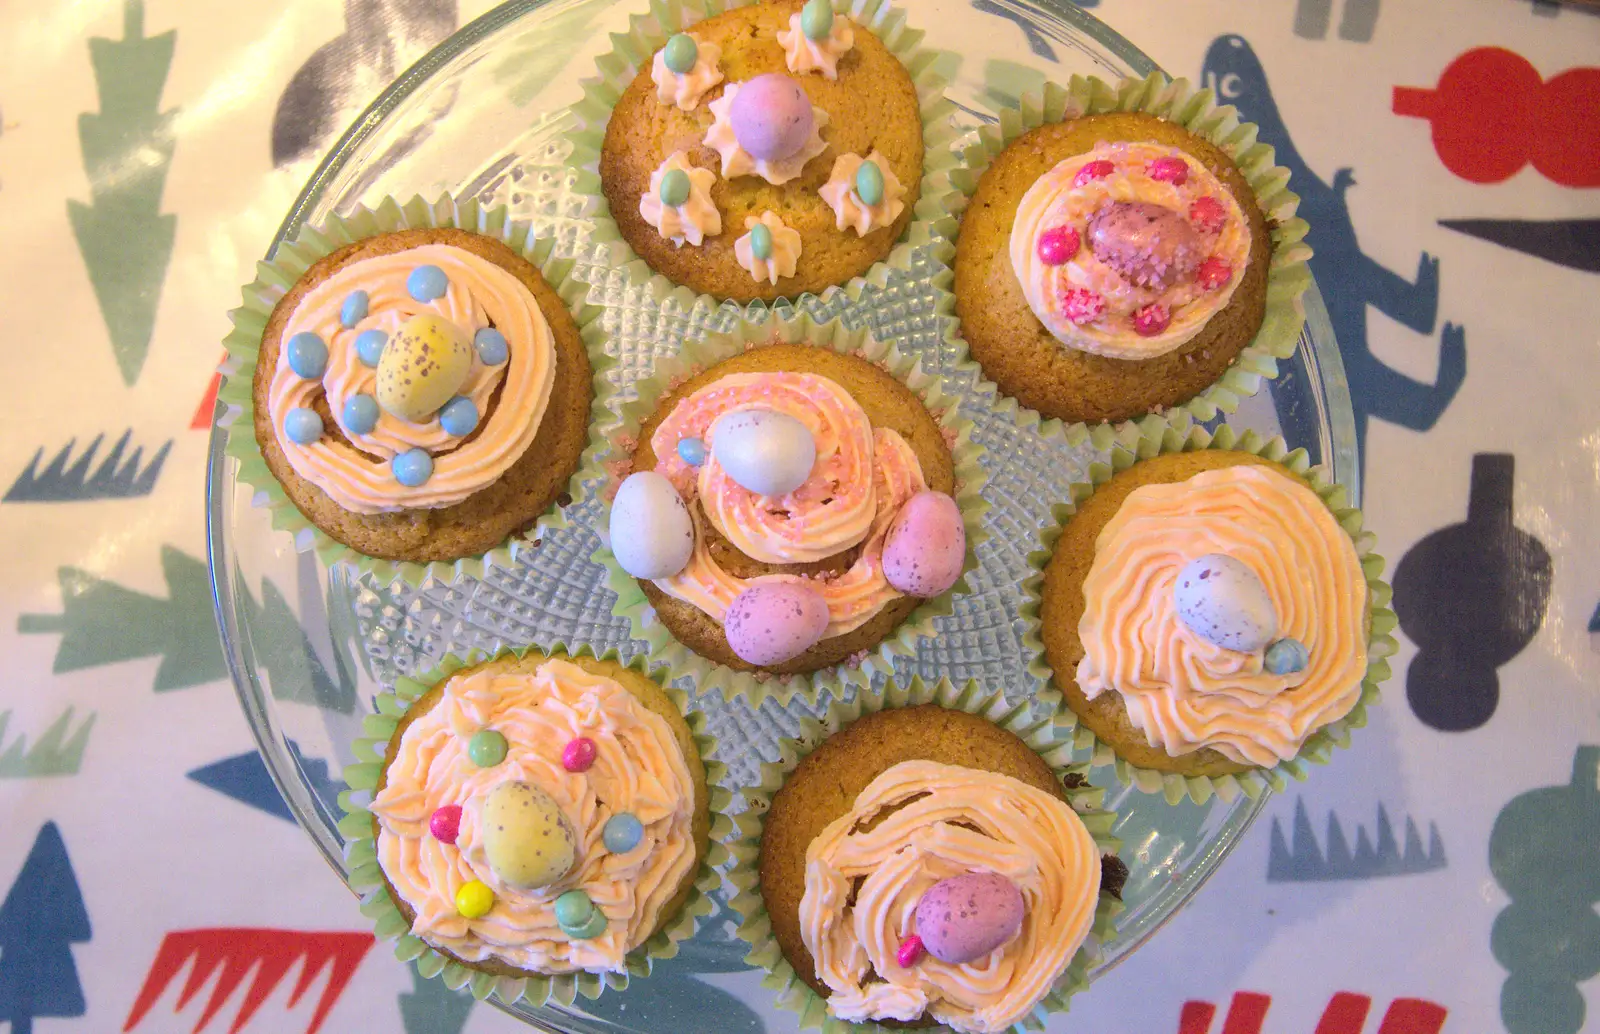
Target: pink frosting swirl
(861, 478)
(1186, 693)
(638, 768)
(357, 476)
(916, 824)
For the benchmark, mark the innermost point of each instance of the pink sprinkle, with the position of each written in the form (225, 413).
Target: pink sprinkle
(1169, 170)
(1152, 319)
(1207, 214)
(1057, 245)
(1094, 170)
(910, 951)
(445, 824)
(1213, 273)
(579, 754)
(1081, 305)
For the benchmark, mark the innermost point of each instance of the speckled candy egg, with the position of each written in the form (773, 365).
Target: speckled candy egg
(1147, 244)
(651, 533)
(526, 838)
(1224, 602)
(423, 366)
(926, 545)
(773, 622)
(767, 452)
(964, 918)
(771, 117)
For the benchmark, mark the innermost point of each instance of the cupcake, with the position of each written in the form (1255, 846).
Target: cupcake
(1116, 260)
(924, 865)
(788, 508)
(1208, 617)
(540, 816)
(422, 394)
(767, 151)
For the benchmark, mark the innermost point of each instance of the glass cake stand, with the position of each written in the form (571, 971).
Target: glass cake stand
(487, 114)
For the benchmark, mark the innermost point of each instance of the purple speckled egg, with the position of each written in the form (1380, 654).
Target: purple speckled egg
(773, 622)
(926, 545)
(964, 918)
(1147, 244)
(771, 117)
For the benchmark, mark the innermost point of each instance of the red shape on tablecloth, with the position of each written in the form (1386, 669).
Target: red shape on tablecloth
(1196, 1017)
(1413, 1016)
(237, 951)
(1346, 1013)
(205, 412)
(1492, 114)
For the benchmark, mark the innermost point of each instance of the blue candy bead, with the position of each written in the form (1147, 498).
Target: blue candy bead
(369, 346)
(761, 241)
(681, 53)
(491, 345)
(692, 451)
(412, 467)
(1286, 656)
(622, 833)
(427, 283)
(303, 426)
(458, 417)
(354, 309)
(360, 414)
(308, 355)
(816, 19)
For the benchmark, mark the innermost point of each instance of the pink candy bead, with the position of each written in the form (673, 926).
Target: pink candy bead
(1213, 273)
(1081, 305)
(1152, 319)
(1094, 170)
(910, 951)
(1207, 214)
(1169, 170)
(445, 823)
(579, 754)
(1057, 245)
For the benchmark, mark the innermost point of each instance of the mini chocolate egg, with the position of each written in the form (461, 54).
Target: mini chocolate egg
(1224, 602)
(772, 622)
(771, 117)
(964, 918)
(926, 546)
(651, 533)
(1147, 244)
(526, 839)
(423, 367)
(767, 452)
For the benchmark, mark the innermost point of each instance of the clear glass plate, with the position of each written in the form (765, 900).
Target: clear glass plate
(486, 114)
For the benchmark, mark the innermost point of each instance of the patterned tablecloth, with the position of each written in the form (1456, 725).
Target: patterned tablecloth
(1441, 875)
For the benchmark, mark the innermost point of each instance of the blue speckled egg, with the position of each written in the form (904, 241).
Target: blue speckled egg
(651, 533)
(1225, 603)
(767, 452)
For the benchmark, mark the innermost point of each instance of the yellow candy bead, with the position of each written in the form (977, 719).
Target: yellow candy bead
(474, 899)
(423, 366)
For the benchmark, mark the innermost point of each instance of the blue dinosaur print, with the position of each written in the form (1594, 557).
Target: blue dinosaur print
(1298, 858)
(1350, 279)
(115, 478)
(1313, 17)
(244, 777)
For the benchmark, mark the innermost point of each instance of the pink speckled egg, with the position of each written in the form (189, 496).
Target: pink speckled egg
(964, 918)
(926, 545)
(1147, 244)
(773, 622)
(771, 117)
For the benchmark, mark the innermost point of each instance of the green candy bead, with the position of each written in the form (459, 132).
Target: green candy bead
(869, 184)
(487, 748)
(674, 188)
(681, 53)
(816, 19)
(577, 916)
(761, 241)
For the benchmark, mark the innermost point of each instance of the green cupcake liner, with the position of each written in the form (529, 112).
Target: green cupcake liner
(1319, 746)
(277, 275)
(970, 478)
(1175, 100)
(646, 33)
(366, 878)
(1043, 735)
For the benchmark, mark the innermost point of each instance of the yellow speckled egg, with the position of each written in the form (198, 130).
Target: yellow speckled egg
(423, 367)
(526, 838)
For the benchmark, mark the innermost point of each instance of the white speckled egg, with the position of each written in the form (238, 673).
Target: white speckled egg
(767, 452)
(651, 533)
(423, 367)
(526, 838)
(1224, 602)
